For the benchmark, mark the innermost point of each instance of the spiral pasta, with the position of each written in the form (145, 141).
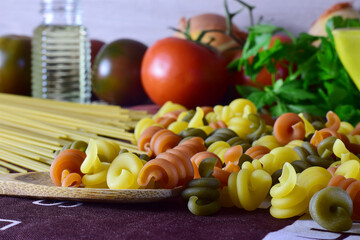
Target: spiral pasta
(221, 134)
(162, 140)
(65, 169)
(168, 107)
(78, 144)
(97, 179)
(219, 148)
(242, 107)
(218, 124)
(248, 189)
(277, 158)
(313, 179)
(258, 127)
(203, 196)
(342, 152)
(331, 208)
(141, 125)
(288, 127)
(240, 125)
(268, 141)
(309, 128)
(352, 187)
(91, 163)
(166, 171)
(155, 140)
(288, 198)
(124, 171)
(333, 121)
(321, 134)
(349, 169)
(257, 151)
(107, 150)
(197, 158)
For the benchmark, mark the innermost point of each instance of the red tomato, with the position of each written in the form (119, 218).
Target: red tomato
(183, 72)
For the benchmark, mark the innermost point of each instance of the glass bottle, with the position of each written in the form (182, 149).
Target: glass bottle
(61, 53)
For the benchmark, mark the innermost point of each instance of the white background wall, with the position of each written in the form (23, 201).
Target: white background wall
(148, 20)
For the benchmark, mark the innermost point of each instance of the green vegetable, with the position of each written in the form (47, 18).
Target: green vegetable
(317, 80)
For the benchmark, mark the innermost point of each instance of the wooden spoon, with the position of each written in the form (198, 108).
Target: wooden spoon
(39, 185)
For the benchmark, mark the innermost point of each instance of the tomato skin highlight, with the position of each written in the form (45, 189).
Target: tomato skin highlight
(183, 72)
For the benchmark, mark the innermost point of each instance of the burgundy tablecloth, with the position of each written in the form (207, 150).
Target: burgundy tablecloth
(169, 219)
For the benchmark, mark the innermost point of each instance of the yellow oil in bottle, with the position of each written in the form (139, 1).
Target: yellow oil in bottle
(61, 63)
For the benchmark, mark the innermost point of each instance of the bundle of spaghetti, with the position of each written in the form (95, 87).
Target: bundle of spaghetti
(31, 129)
(99, 110)
(173, 167)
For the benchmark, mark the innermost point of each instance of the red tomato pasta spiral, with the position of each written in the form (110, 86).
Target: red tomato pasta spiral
(173, 167)
(256, 152)
(352, 187)
(65, 169)
(288, 127)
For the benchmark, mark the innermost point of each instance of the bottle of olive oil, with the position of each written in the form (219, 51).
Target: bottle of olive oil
(61, 54)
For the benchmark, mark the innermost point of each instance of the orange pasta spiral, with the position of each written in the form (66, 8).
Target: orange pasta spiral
(321, 135)
(288, 127)
(168, 118)
(352, 187)
(218, 124)
(256, 152)
(65, 169)
(163, 140)
(145, 138)
(172, 168)
(333, 121)
(199, 157)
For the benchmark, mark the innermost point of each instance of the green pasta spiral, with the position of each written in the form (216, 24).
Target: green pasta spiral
(332, 208)
(239, 141)
(317, 157)
(220, 134)
(203, 196)
(193, 132)
(258, 127)
(78, 144)
(190, 114)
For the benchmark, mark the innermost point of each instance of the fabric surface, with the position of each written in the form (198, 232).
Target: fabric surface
(46, 219)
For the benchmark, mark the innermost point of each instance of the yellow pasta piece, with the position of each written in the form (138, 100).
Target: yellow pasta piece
(219, 148)
(242, 107)
(197, 120)
(92, 162)
(345, 128)
(309, 129)
(178, 126)
(349, 169)
(168, 107)
(313, 179)
(268, 141)
(98, 178)
(342, 152)
(141, 126)
(124, 171)
(107, 151)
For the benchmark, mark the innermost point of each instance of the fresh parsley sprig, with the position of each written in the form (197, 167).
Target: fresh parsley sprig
(317, 81)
